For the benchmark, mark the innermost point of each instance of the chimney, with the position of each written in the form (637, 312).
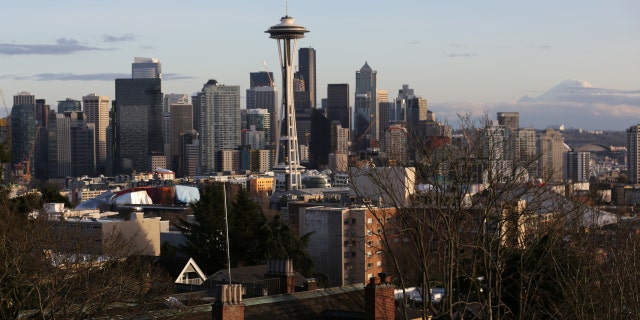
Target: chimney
(379, 303)
(310, 284)
(282, 269)
(228, 304)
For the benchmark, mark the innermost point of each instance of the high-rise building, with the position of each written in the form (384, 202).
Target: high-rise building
(137, 126)
(288, 167)
(267, 98)
(307, 70)
(410, 107)
(42, 143)
(395, 144)
(633, 147)
(576, 166)
(550, 150)
(146, 68)
(260, 79)
(219, 112)
(338, 108)
(23, 128)
(24, 98)
(260, 119)
(188, 158)
(345, 242)
(96, 109)
(181, 122)
(366, 108)
(525, 150)
(339, 138)
(69, 104)
(510, 120)
(71, 146)
(59, 146)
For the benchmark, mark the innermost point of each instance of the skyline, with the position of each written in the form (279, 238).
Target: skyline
(463, 57)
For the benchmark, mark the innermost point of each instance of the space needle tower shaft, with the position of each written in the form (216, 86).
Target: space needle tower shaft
(287, 32)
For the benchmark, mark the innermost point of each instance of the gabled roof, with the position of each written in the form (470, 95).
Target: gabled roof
(176, 266)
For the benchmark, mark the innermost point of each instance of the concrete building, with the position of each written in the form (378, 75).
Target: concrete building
(384, 186)
(550, 150)
(395, 144)
(219, 121)
(577, 166)
(189, 154)
(138, 236)
(96, 109)
(510, 120)
(346, 243)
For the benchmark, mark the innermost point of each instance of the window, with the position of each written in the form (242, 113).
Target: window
(369, 232)
(347, 254)
(370, 243)
(346, 221)
(369, 265)
(369, 220)
(379, 263)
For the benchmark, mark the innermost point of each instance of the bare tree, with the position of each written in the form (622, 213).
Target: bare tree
(479, 226)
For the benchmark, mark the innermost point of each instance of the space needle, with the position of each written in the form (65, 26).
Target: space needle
(287, 32)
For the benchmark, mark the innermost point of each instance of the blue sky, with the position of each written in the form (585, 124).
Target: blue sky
(463, 56)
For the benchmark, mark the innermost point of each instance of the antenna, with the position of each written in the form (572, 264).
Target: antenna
(286, 8)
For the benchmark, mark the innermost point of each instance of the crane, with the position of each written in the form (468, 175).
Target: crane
(271, 83)
(6, 109)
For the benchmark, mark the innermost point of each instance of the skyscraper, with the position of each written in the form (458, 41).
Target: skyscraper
(137, 127)
(69, 104)
(307, 70)
(23, 128)
(509, 119)
(181, 122)
(366, 113)
(576, 166)
(260, 79)
(550, 149)
(289, 166)
(96, 110)
(146, 68)
(219, 112)
(338, 104)
(71, 142)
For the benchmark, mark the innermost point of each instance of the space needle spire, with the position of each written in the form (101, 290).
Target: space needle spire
(287, 32)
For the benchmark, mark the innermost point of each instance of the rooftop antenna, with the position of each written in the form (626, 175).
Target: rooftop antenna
(286, 8)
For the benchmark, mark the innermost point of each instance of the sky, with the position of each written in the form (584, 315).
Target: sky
(464, 56)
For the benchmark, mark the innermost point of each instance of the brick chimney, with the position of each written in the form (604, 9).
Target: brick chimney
(282, 269)
(379, 303)
(310, 284)
(228, 304)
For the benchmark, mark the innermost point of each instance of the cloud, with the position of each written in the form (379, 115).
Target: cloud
(61, 47)
(462, 55)
(79, 77)
(575, 104)
(87, 77)
(122, 38)
(176, 76)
